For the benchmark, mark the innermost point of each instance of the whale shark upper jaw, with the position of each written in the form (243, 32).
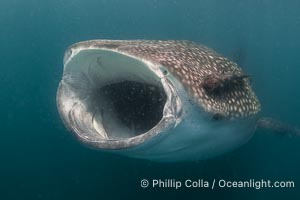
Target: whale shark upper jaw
(112, 100)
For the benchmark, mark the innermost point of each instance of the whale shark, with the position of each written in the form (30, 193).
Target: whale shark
(165, 101)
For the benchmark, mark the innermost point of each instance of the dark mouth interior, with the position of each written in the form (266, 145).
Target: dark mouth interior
(130, 108)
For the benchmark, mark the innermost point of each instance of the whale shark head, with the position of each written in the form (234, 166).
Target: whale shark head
(158, 100)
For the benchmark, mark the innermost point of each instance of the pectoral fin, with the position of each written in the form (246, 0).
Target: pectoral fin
(278, 127)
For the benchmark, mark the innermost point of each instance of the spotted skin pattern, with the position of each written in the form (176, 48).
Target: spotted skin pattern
(191, 64)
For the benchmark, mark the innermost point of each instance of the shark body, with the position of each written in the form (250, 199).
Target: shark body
(159, 100)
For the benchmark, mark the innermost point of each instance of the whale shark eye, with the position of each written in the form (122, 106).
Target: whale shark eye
(219, 84)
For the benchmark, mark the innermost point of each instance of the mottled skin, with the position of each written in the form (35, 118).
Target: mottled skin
(217, 84)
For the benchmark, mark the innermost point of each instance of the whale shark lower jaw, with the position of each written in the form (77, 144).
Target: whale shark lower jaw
(137, 107)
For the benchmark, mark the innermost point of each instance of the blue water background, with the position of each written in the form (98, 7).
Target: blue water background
(41, 160)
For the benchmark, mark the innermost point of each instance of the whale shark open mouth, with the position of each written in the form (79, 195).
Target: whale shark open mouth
(111, 100)
(128, 108)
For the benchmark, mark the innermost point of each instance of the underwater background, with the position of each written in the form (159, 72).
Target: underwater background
(40, 159)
